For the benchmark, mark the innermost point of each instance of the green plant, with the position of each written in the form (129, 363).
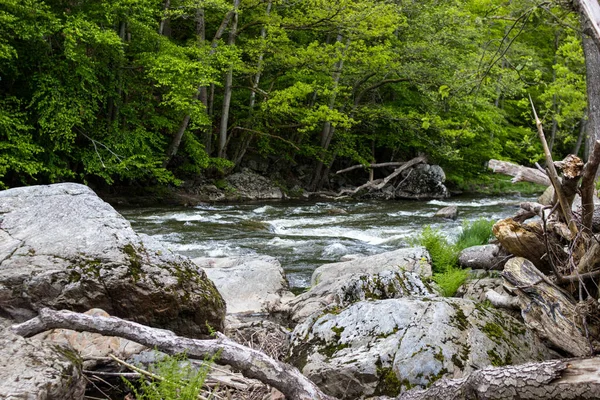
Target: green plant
(444, 254)
(175, 379)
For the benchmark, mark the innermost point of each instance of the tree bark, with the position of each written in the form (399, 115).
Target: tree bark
(549, 380)
(546, 308)
(592, 75)
(228, 86)
(520, 173)
(253, 364)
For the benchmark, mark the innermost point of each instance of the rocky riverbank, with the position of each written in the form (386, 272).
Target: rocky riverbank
(370, 326)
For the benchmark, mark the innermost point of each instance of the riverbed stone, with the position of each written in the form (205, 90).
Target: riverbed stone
(414, 259)
(384, 347)
(249, 284)
(65, 248)
(450, 212)
(34, 370)
(247, 185)
(337, 294)
(423, 181)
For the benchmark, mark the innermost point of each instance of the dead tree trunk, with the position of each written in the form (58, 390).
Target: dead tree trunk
(252, 363)
(520, 173)
(548, 380)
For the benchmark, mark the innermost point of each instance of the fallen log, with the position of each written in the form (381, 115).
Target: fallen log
(548, 380)
(519, 172)
(547, 309)
(252, 363)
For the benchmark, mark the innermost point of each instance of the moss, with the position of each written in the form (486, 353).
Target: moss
(439, 356)
(389, 384)
(494, 332)
(338, 331)
(497, 360)
(135, 264)
(459, 359)
(459, 319)
(439, 375)
(331, 349)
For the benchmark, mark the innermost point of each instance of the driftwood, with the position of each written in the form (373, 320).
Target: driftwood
(529, 241)
(381, 183)
(252, 363)
(547, 309)
(502, 301)
(548, 380)
(519, 172)
(371, 166)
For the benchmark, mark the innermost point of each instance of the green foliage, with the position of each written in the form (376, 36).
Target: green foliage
(444, 254)
(179, 380)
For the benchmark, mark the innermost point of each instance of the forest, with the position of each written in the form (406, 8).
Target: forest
(161, 91)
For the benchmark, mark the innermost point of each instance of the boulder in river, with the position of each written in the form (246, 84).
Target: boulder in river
(248, 185)
(450, 212)
(249, 284)
(414, 259)
(62, 247)
(383, 347)
(423, 181)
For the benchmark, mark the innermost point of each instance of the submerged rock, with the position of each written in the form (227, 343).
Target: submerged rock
(34, 370)
(249, 284)
(383, 347)
(62, 247)
(415, 259)
(450, 212)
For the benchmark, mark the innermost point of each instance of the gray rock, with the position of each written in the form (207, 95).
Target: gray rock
(423, 181)
(65, 248)
(251, 186)
(415, 259)
(249, 284)
(385, 346)
(488, 257)
(34, 370)
(336, 294)
(475, 289)
(450, 212)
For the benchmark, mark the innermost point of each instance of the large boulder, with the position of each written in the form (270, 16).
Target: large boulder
(34, 370)
(415, 259)
(337, 294)
(249, 284)
(247, 185)
(487, 256)
(423, 181)
(62, 247)
(383, 347)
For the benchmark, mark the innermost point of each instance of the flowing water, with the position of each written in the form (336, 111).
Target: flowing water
(305, 234)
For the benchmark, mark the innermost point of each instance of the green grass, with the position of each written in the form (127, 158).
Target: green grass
(494, 184)
(444, 254)
(179, 380)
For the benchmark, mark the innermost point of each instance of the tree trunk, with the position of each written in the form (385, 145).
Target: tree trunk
(575, 379)
(228, 86)
(520, 173)
(592, 64)
(252, 363)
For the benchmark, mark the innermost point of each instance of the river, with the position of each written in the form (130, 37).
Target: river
(305, 234)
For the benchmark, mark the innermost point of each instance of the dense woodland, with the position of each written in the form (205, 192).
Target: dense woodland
(159, 91)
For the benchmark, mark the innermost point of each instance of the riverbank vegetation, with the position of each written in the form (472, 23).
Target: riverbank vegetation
(145, 92)
(444, 253)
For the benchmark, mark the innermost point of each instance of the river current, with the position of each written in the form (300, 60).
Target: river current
(305, 234)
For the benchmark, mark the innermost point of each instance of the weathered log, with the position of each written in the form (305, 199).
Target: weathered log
(548, 380)
(252, 363)
(572, 169)
(546, 308)
(527, 240)
(587, 187)
(381, 183)
(502, 301)
(371, 166)
(519, 172)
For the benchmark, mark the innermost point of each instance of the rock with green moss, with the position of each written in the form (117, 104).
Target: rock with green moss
(340, 293)
(65, 248)
(415, 259)
(247, 185)
(383, 347)
(31, 369)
